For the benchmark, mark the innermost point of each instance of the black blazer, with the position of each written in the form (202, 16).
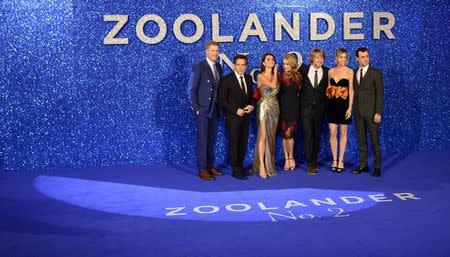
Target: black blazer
(309, 95)
(368, 98)
(231, 96)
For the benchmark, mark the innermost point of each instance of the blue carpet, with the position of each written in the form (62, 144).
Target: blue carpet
(169, 211)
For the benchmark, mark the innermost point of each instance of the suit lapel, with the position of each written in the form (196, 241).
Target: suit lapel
(355, 77)
(210, 72)
(307, 77)
(237, 85)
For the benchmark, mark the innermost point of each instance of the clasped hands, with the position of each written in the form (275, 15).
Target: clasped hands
(246, 109)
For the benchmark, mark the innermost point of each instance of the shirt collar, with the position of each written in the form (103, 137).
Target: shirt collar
(365, 68)
(237, 75)
(211, 63)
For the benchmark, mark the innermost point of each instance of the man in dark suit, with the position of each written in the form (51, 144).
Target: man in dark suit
(313, 105)
(203, 89)
(235, 96)
(367, 108)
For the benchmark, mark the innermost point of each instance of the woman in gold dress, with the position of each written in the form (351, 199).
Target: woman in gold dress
(267, 116)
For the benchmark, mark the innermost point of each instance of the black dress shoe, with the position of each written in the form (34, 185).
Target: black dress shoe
(239, 176)
(376, 172)
(361, 169)
(316, 167)
(312, 170)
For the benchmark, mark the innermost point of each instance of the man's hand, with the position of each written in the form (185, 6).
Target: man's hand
(240, 112)
(377, 118)
(248, 108)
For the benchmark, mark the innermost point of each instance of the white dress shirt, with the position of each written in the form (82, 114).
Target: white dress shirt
(211, 65)
(311, 74)
(239, 79)
(358, 73)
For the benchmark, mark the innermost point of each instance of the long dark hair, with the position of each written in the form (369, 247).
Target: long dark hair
(263, 68)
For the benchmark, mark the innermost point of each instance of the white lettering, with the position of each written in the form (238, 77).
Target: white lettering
(161, 25)
(174, 211)
(347, 199)
(380, 198)
(281, 23)
(348, 25)
(200, 211)
(248, 31)
(199, 28)
(110, 38)
(331, 26)
(216, 30)
(405, 196)
(327, 200)
(386, 28)
(292, 216)
(231, 207)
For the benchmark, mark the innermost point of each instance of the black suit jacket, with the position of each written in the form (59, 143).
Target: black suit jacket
(310, 96)
(368, 98)
(231, 96)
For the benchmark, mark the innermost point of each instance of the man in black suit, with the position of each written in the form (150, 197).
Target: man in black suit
(313, 105)
(367, 108)
(235, 96)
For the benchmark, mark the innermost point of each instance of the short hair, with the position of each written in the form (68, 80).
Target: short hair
(211, 43)
(240, 56)
(315, 51)
(338, 52)
(361, 49)
(263, 68)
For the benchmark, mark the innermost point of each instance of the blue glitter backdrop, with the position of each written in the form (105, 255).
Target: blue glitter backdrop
(69, 100)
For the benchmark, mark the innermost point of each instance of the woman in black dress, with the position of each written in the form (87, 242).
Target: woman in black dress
(340, 95)
(290, 81)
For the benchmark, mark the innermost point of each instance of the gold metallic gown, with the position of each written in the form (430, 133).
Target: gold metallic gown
(267, 116)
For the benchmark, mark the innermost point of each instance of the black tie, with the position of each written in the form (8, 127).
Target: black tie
(316, 79)
(360, 75)
(243, 85)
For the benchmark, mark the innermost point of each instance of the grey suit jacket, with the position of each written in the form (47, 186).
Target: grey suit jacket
(368, 98)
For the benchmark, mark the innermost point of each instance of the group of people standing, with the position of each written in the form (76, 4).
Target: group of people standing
(282, 98)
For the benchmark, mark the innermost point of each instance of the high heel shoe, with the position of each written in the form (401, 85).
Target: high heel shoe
(286, 164)
(264, 176)
(334, 167)
(292, 166)
(340, 169)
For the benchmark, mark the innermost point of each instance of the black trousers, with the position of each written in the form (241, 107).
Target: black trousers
(363, 125)
(312, 130)
(238, 128)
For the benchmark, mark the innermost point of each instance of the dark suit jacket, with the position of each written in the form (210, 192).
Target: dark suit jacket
(203, 89)
(231, 96)
(368, 98)
(310, 96)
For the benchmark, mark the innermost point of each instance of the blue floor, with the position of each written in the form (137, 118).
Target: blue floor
(169, 211)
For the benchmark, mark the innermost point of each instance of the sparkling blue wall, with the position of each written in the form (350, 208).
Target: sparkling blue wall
(68, 100)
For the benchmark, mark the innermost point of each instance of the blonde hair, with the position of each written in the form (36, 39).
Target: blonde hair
(338, 52)
(315, 51)
(292, 61)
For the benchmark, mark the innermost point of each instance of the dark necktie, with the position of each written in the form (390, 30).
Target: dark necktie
(316, 79)
(216, 74)
(360, 75)
(243, 85)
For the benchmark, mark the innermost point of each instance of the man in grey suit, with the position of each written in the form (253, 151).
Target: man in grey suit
(367, 109)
